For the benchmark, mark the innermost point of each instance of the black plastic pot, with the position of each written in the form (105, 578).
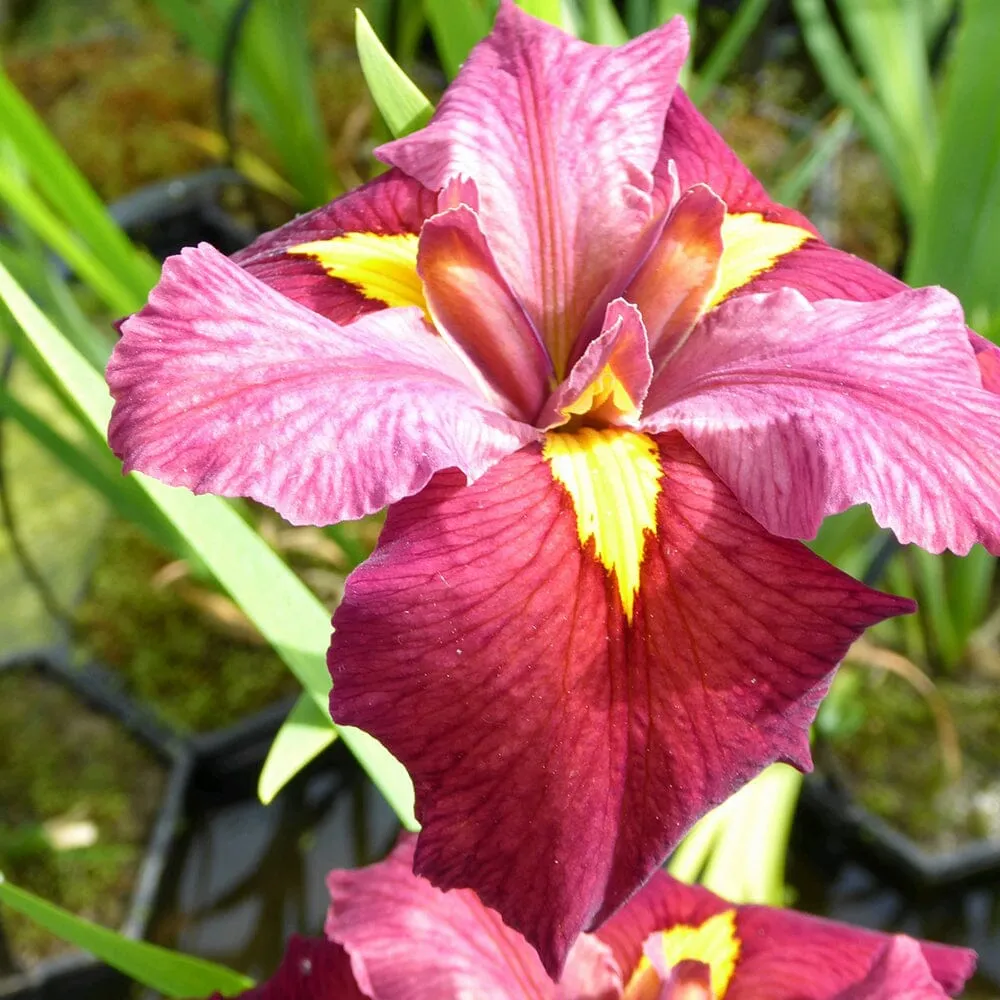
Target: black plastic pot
(78, 975)
(890, 853)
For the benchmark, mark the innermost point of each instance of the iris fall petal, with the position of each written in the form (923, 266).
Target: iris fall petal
(225, 386)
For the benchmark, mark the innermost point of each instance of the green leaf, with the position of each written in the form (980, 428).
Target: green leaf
(601, 23)
(456, 27)
(169, 972)
(545, 10)
(842, 80)
(956, 238)
(292, 620)
(21, 199)
(887, 38)
(303, 736)
(67, 191)
(398, 98)
(728, 48)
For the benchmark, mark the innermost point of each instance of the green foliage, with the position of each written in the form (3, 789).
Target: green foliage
(276, 601)
(274, 78)
(171, 973)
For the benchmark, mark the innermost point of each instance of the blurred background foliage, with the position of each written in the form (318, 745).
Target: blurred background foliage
(130, 127)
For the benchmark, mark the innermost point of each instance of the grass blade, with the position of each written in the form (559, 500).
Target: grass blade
(173, 974)
(399, 100)
(456, 27)
(303, 736)
(292, 620)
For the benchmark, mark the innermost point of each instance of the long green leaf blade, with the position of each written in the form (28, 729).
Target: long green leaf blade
(292, 620)
(303, 736)
(65, 188)
(399, 100)
(171, 973)
(456, 27)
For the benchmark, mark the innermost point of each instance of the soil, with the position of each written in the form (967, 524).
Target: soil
(69, 774)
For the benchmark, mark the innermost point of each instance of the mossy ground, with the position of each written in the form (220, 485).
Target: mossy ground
(62, 761)
(892, 760)
(196, 675)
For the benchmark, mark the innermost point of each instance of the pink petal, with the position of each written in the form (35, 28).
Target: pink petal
(559, 752)
(387, 206)
(899, 972)
(819, 271)
(312, 969)
(804, 410)
(560, 139)
(700, 156)
(674, 284)
(410, 941)
(794, 954)
(782, 953)
(621, 350)
(225, 386)
(473, 307)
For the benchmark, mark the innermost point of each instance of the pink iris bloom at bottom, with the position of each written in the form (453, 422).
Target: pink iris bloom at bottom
(393, 936)
(603, 384)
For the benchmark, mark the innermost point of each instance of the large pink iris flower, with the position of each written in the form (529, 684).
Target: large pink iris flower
(603, 383)
(393, 936)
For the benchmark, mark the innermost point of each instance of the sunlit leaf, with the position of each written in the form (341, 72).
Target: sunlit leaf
(398, 98)
(303, 736)
(169, 972)
(292, 620)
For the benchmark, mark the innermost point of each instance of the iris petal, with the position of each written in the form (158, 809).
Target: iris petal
(392, 205)
(804, 410)
(473, 307)
(558, 752)
(225, 386)
(560, 138)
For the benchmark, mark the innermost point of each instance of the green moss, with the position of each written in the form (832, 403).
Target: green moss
(892, 761)
(61, 761)
(169, 653)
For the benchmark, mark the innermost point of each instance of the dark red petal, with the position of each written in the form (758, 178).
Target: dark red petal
(390, 205)
(312, 969)
(702, 157)
(559, 752)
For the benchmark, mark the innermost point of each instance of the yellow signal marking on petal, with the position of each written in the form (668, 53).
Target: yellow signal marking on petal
(751, 245)
(714, 942)
(605, 396)
(613, 478)
(383, 268)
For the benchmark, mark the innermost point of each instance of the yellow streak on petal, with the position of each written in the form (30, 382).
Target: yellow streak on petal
(714, 942)
(383, 268)
(613, 478)
(605, 398)
(750, 246)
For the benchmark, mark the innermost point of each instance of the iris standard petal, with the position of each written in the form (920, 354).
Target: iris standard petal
(472, 305)
(572, 684)
(225, 386)
(612, 378)
(772, 952)
(344, 260)
(560, 138)
(410, 941)
(806, 409)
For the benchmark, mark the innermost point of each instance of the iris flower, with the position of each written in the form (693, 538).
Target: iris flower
(393, 936)
(603, 384)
